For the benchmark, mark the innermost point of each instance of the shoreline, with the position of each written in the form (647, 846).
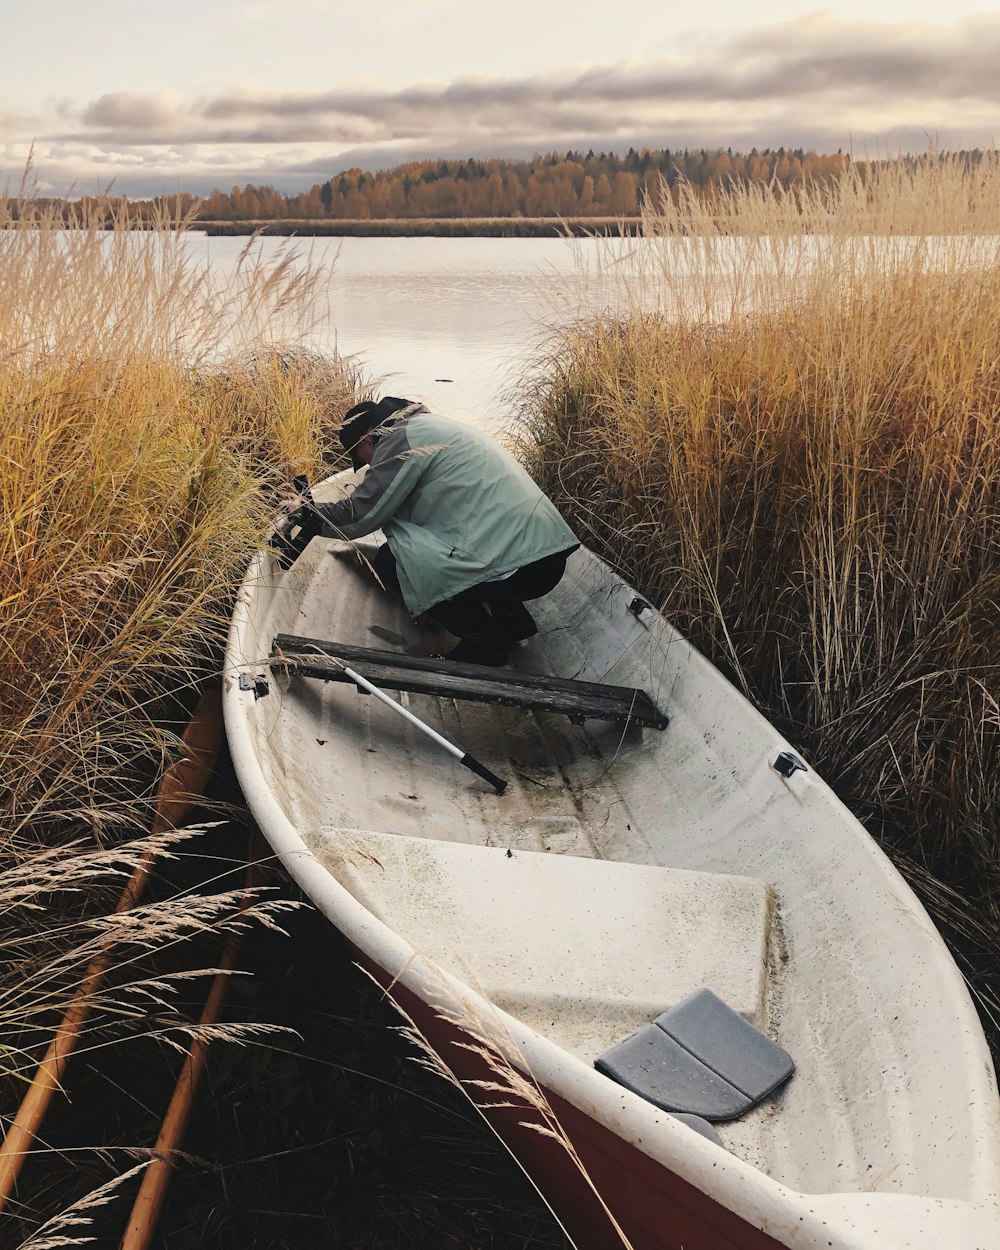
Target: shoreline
(431, 227)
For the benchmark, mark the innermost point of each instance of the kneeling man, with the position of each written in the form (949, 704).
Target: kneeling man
(469, 536)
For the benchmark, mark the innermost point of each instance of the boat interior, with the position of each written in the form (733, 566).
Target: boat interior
(625, 868)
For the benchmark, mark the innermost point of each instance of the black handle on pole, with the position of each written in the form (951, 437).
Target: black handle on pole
(482, 771)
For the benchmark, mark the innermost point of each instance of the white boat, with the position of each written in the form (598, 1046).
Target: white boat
(622, 870)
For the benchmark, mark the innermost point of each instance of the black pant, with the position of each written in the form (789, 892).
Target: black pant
(491, 606)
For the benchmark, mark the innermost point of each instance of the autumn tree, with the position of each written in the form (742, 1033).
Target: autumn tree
(570, 184)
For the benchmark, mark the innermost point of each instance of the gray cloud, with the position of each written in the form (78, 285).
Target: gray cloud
(809, 82)
(130, 113)
(784, 63)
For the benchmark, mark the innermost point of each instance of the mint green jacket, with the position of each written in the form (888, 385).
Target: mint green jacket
(455, 507)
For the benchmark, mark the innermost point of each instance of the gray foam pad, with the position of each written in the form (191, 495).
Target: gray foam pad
(730, 1046)
(654, 1066)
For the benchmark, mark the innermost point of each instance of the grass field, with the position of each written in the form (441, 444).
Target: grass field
(145, 421)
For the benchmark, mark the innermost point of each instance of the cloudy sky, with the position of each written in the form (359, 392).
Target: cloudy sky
(201, 93)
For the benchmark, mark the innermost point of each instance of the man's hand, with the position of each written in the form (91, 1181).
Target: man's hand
(291, 503)
(298, 496)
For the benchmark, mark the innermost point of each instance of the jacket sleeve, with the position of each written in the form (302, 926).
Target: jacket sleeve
(393, 474)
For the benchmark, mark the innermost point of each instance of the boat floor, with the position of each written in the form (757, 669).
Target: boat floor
(545, 811)
(544, 808)
(562, 799)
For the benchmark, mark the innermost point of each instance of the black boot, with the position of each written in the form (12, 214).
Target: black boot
(486, 649)
(513, 621)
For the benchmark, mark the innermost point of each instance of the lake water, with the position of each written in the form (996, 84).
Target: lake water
(455, 322)
(452, 322)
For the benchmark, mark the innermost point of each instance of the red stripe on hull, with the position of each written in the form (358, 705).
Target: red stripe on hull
(656, 1209)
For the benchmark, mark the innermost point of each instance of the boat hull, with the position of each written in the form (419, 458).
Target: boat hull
(641, 1203)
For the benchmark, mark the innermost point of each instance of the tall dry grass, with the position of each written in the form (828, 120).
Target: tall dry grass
(142, 410)
(145, 415)
(788, 434)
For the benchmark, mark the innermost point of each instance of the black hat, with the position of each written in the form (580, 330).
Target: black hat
(362, 419)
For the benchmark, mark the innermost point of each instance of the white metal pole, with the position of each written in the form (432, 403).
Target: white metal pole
(463, 757)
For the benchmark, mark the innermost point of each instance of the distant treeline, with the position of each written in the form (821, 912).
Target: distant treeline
(568, 185)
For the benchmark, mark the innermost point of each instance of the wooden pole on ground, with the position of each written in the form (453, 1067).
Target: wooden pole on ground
(182, 784)
(152, 1194)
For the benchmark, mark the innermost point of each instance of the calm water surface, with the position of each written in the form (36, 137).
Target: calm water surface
(451, 322)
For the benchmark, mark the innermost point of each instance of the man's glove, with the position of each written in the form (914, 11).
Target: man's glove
(298, 529)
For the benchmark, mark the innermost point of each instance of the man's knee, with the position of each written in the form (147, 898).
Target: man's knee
(532, 581)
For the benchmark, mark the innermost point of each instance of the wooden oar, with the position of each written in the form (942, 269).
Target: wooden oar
(182, 784)
(152, 1195)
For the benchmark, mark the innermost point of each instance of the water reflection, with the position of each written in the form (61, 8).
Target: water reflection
(449, 321)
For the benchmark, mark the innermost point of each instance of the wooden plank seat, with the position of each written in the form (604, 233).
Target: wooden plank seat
(314, 657)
